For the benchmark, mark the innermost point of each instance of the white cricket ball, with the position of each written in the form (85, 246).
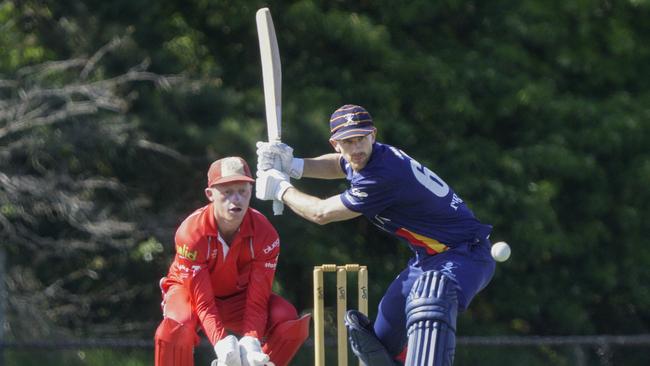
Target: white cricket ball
(500, 251)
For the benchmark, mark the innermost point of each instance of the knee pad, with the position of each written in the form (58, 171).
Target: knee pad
(431, 312)
(285, 339)
(174, 332)
(174, 344)
(363, 341)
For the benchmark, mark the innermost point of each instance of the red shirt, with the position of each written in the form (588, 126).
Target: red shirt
(249, 266)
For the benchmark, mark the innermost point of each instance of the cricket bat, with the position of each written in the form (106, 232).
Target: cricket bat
(272, 77)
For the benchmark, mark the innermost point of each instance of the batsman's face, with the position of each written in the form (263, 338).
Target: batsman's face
(355, 150)
(230, 200)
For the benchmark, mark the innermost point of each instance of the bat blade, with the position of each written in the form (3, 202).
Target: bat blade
(271, 73)
(272, 79)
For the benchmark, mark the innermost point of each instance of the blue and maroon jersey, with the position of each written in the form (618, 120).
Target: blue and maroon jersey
(406, 199)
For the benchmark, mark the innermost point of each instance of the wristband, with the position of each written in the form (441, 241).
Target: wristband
(284, 185)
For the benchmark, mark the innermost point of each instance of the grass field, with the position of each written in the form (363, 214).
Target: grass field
(465, 356)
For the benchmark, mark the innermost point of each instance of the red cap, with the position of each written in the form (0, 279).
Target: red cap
(230, 169)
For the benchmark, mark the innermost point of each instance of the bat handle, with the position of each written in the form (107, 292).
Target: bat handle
(278, 206)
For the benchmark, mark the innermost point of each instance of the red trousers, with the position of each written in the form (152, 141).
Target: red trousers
(177, 335)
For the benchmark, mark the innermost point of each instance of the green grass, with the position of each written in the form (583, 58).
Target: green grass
(465, 356)
(79, 357)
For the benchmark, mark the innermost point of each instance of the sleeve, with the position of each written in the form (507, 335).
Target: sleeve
(191, 262)
(266, 250)
(370, 195)
(344, 167)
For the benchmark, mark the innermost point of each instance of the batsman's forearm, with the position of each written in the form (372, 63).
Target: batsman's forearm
(323, 167)
(304, 205)
(314, 209)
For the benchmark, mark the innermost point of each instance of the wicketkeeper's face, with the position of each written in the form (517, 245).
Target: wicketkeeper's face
(230, 200)
(355, 150)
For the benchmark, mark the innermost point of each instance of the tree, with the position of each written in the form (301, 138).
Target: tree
(70, 224)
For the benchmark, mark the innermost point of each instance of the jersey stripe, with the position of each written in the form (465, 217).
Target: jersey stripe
(432, 245)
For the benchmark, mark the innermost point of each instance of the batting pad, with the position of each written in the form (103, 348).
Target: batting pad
(431, 311)
(364, 342)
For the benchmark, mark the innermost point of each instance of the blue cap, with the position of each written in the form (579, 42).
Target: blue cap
(350, 121)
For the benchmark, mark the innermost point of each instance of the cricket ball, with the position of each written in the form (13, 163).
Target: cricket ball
(500, 251)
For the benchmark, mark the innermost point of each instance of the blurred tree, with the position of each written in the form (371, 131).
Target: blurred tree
(71, 227)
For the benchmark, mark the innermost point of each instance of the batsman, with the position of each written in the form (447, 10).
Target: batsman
(451, 262)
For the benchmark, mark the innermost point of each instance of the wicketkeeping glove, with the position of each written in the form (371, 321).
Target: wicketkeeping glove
(227, 351)
(271, 185)
(251, 352)
(271, 153)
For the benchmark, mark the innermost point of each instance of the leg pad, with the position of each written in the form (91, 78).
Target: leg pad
(363, 341)
(174, 344)
(431, 312)
(285, 339)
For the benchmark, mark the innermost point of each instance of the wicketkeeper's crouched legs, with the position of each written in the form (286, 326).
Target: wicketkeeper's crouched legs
(284, 333)
(174, 344)
(285, 339)
(176, 335)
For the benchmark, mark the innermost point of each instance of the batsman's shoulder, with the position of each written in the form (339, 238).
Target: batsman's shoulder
(378, 175)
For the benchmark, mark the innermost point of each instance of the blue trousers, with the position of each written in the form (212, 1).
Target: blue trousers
(471, 266)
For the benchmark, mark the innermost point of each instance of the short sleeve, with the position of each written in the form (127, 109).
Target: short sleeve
(370, 195)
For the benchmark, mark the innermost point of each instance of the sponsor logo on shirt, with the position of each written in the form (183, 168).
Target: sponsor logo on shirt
(358, 193)
(270, 265)
(350, 198)
(187, 270)
(183, 268)
(185, 252)
(273, 245)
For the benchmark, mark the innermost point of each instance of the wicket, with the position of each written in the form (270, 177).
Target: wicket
(341, 308)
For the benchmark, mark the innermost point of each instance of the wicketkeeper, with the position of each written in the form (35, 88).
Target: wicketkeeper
(220, 281)
(451, 259)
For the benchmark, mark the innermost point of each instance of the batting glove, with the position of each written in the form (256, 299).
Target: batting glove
(251, 352)
(271, 185)
(278, 155)
(227, 351)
